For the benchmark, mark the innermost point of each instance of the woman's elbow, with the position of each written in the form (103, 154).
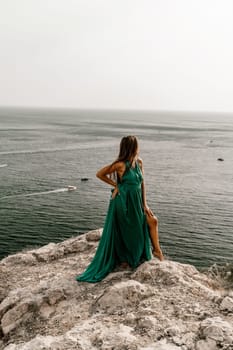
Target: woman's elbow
(98, 174)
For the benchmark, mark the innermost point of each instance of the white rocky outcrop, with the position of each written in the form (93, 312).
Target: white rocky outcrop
(158, 306)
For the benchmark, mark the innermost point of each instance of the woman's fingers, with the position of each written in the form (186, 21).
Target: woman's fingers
(149, 212)
(115, 192)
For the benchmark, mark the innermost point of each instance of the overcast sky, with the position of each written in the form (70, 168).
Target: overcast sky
(124, 54)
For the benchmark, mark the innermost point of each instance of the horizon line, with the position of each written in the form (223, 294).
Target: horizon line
(107, 109)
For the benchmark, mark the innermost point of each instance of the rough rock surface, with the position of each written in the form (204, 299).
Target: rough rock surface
(158, 306)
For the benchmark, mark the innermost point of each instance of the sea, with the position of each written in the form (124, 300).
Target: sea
(188, 162)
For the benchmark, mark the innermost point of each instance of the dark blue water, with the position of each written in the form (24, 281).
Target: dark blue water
(191, 192)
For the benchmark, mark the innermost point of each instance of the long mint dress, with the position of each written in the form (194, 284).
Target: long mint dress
(125, 236)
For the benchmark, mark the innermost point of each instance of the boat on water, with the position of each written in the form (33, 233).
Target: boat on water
(84, 179)
(71, 188)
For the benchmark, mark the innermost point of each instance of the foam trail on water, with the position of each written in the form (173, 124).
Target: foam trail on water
(46, 192)
(3, 165)
(36, 193)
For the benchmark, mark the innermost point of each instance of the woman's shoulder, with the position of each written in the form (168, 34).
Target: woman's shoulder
(140, 162)
(118, 164)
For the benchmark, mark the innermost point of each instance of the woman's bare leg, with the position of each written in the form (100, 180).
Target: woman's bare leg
(152, 222)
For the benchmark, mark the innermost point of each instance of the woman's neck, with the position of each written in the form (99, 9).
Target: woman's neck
(133, 161)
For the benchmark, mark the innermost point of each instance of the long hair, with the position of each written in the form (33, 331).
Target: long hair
(128, 149)
(127, 152)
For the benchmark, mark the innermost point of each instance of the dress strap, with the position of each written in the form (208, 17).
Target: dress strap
(129, 165)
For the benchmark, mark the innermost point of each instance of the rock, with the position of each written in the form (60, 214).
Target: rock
(217, 329)
(147, 322)
(161, 345)
(121, 296)
(227, 304)
(20, 258)
(38, 343)
(187, 339)
(117, 337)
(3, 293)
(159, 306)
(16, 315)
(52, 251)
(93, 236)
(130, 319)
(171, 331)
(21, 304)
(208, 344)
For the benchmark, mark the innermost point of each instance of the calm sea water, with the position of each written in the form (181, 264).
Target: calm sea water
(189, 189)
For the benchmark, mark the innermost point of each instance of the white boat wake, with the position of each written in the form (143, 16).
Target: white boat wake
(65, 189)
(45, 192)
(3, 165)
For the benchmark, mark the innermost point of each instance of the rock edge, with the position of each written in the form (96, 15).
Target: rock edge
(159, 306)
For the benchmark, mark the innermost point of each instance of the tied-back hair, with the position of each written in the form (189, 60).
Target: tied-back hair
(127, 152)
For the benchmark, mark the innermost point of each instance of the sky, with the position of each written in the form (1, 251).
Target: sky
(117, 54)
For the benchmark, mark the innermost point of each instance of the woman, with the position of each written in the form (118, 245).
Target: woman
(129, 223)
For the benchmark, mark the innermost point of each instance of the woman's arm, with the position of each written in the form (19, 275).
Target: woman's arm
(143, 186)
(143, 183)
(103, 174)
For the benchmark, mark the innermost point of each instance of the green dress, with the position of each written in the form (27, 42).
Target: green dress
(125, 236)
